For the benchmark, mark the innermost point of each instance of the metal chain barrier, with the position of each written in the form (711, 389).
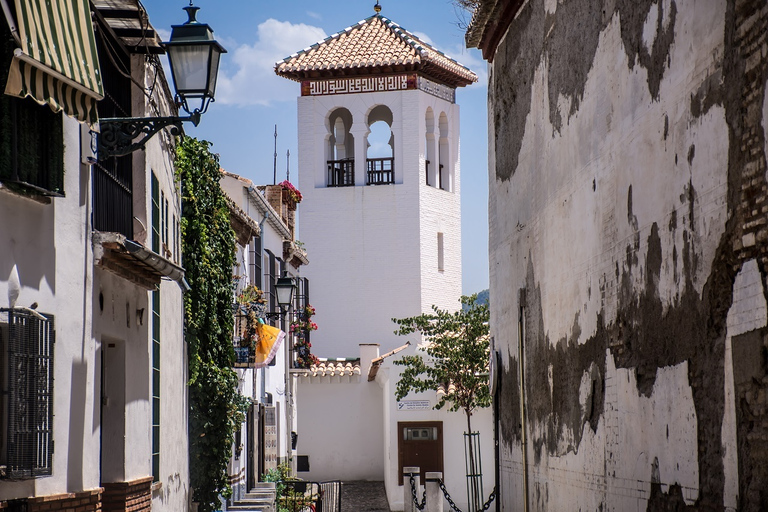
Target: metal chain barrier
(486, 505)
(413, 495)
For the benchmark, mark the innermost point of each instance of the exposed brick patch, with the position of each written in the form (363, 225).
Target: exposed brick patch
(85, 501)
(133, 496)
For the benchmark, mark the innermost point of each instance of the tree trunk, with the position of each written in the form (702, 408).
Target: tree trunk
(473, 489)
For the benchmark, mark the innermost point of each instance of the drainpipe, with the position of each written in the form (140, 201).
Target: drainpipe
(521, 371)
(263, 371)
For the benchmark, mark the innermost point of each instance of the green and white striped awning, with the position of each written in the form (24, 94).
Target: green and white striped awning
(57, 63)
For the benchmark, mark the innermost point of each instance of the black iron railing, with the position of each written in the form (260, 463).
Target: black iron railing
(30, 394)
(427, 172)
(341, 173)
(440, 177)
(381, 171)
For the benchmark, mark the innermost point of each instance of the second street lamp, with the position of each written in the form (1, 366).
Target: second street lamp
(194, 56)
(284, 288)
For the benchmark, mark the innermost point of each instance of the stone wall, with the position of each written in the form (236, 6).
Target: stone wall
(628, 210)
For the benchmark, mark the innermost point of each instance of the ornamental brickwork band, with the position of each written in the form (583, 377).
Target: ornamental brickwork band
(376, 84)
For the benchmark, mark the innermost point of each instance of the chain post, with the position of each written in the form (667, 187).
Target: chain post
(433, 496)
(411, 474)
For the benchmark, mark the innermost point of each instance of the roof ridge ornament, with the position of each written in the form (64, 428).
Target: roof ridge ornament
(377, 7)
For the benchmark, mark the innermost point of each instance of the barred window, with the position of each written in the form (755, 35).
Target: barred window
(26, 343)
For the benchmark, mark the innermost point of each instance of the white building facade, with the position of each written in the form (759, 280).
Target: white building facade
(379, 171)
(266, 248)
(94, 409)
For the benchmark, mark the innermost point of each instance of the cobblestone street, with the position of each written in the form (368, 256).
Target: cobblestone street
(360, 496)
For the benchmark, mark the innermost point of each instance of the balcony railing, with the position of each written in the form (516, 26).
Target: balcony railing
(341, 173)
(245, 337)
(427, 172)
(381, 171)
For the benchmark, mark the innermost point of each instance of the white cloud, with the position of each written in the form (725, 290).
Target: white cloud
(249, 77)
(424, 37)
(473, 60)
(163, 34)
(314, 15)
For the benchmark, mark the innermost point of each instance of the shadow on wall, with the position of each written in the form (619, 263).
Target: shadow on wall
(27, 232)
(77, 391)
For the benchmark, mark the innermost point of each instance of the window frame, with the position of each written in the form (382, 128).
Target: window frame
(28, 342)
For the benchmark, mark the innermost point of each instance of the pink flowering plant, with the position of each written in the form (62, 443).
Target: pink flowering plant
(293, 192)
(300, 328)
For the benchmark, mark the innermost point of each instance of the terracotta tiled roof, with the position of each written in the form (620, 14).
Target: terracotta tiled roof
(332, 368)
(375, 45)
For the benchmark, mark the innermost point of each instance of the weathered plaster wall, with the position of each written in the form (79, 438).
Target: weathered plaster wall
(629, 191)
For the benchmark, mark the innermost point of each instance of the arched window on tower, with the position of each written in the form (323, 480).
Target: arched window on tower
(444, 168)
(430, 162)
(340, 150)
(380, 150)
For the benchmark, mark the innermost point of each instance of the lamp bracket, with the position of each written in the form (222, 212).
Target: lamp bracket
(118, 133)
(275, 314)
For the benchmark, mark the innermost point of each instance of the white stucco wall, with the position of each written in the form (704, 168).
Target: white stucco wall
(374, 248)
(48, 244)
(454, 426)
(341, 428)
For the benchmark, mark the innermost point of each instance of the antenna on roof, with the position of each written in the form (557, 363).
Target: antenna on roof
(274, 167)
(288, 165)
(377, 7)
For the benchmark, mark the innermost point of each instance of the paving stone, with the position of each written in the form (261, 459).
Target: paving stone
(360, 496)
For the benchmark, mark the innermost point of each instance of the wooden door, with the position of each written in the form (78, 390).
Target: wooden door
(420, 443)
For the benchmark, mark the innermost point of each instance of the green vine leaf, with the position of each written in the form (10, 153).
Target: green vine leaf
(208, 246)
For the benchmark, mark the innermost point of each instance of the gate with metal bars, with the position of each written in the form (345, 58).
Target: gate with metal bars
(301, 496)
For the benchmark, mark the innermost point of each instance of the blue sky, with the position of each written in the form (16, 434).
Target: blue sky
(251, 99)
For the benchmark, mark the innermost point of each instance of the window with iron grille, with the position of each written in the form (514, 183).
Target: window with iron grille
(113, 177)
(31, 136)
(27, 409)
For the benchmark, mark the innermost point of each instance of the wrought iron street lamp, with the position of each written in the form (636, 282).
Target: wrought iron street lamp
(194, 56)
(284, 288)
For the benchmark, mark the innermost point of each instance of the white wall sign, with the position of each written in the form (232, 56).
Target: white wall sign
(414, 405)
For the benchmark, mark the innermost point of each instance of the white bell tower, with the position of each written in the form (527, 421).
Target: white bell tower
(379, 172)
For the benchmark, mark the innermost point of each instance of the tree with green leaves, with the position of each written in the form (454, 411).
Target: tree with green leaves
(457, 347)
(216, 408)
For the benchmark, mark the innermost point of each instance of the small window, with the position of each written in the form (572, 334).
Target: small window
(156, 215)
(26, 345)
(440, 253)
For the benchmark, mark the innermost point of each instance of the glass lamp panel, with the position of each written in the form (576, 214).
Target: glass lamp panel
(190, 67)
(213, 71)
(284, 293)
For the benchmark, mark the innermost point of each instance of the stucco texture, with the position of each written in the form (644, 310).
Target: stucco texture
(628, 191)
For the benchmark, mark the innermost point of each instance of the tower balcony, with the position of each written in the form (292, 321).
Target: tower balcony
(381, 171)
(341, 173)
